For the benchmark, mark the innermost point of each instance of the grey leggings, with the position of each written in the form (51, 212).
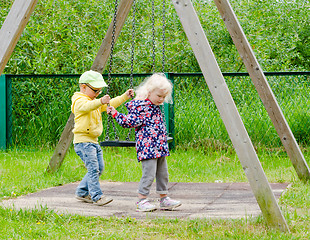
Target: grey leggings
(152, 168)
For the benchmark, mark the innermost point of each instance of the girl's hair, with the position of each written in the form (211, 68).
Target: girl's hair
(156, 81)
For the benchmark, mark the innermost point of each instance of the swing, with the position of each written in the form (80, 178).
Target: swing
(129, 143)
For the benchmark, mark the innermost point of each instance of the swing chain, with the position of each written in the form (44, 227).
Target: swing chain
(163, 59)
(153, 34)
(112, 44)
(107, 137)
(110, 119)
(110, 122)
(133, 42)
(132, 54)
(164, 30)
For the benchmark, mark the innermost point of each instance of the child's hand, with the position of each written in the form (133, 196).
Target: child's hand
(111, 110)
(130, 93)
(105, 99)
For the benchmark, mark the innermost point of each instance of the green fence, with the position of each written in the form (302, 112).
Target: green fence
(41, 106)
(197, 120)
(5, 112)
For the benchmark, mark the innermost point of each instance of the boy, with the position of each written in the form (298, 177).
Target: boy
(88, 127)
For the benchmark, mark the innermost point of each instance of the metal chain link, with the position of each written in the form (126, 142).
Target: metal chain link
(133, 42)
(107, 137)
(112, 44)
(132, 55)
(110, 119)
(163, 51)
(153, 34)
(164, 35)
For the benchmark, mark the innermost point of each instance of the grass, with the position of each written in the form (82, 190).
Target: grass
(44, 224)
(23, 172)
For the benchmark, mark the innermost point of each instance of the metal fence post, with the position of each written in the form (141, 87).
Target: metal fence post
(5, 112)
(169, 114)
(2, 113)
(9, 111)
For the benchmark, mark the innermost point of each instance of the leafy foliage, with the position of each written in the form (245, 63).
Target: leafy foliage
(64, 36)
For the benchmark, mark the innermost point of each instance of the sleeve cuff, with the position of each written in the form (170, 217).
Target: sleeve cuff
(115, 114)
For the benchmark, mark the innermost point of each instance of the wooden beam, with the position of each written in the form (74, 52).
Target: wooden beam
(229, 114)
(62, 146)
(13, 27)
(263, 89)
(98, 65)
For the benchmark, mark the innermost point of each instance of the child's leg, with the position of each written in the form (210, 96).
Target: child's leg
(82, 189)
(100, 160)
(89, 155)
(148, 175)
(162, 177)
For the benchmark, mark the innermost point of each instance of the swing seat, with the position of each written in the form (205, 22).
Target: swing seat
(124, 143)
(118, 144)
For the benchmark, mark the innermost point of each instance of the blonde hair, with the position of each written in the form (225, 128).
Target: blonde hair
(156, 81)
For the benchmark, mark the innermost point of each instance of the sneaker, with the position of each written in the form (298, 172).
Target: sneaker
(103, 201)
(85, 198)
(169, 204)
(145, 206)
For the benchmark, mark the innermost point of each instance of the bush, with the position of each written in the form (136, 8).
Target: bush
(63, 37)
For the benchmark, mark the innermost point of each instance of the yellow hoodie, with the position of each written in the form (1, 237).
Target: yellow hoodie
(87, 116)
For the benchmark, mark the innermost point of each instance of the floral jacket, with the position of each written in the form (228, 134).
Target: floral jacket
(150, 130)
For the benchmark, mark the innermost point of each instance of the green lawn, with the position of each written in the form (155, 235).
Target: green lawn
(22, 172)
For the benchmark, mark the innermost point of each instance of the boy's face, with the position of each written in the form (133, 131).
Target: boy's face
(90, 91)
(157, 96)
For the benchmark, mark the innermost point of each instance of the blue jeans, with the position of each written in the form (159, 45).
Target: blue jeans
(91, 155)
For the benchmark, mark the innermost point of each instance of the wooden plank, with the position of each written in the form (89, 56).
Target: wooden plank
(62, 146)
(263, 89)
(98, 65)
(229, 114)
(13, 27)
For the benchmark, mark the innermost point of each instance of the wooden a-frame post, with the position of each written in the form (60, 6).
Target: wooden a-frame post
(226, 107)
(13, 27)
(229, 114)
(98, 65)
(19, 16)
(263, 89)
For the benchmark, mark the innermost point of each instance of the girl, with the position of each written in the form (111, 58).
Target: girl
(145, 116)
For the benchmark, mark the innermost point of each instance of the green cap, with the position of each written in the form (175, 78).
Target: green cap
(93, 78)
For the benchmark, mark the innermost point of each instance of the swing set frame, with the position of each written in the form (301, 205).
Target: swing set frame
(19, 16)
